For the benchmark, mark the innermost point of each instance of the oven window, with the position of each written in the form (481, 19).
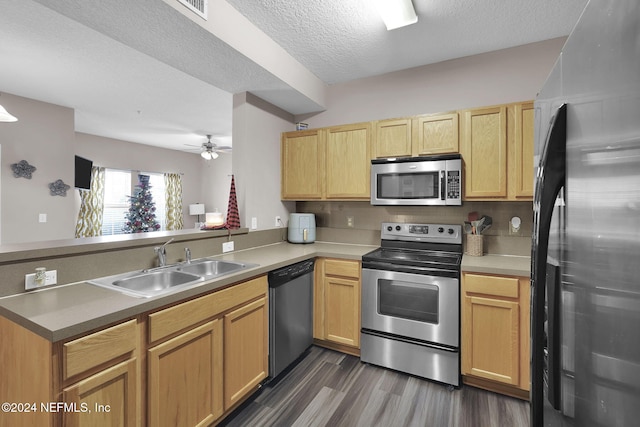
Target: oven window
(408, 300)
(415, 185)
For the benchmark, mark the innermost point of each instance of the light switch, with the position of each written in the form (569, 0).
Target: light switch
(42, 217)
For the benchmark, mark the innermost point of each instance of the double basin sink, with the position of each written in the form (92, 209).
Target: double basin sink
(162, 280)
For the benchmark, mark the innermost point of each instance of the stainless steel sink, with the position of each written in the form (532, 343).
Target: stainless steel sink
(151, 283)
(210, 267)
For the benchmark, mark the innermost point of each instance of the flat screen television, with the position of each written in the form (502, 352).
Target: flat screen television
(83, 173)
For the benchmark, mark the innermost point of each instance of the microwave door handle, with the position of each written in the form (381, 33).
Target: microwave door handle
(443, 185)
(549, 181)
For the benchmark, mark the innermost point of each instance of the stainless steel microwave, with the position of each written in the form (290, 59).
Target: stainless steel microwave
(417, 181)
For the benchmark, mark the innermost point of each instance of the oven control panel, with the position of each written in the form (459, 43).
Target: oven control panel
(438, 233)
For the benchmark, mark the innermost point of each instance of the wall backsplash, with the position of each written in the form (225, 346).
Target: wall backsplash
(334, 215)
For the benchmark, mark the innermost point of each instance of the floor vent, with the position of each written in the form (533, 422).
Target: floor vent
(200, 7)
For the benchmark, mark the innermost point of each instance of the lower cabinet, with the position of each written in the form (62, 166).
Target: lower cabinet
(185, 365)
(185, 378)
(495, 333)
(337, 304)
(246, 350)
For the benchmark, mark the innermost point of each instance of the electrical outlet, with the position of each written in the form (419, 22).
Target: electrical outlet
(254, 223)
(350, 222)
(227, 247)
(51, 278)
(278, 221)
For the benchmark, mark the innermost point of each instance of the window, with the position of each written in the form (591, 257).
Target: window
(118, 186)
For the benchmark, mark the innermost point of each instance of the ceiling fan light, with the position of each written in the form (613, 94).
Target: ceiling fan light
(206, 155)
(214, 155)
(5, 116)
(396, 13)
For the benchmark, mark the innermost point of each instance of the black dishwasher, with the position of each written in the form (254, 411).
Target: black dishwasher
(290, 314)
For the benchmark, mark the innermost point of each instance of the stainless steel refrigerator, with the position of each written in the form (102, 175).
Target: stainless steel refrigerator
(585, 307)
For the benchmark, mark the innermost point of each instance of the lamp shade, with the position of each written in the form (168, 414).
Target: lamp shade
(196, 209)
(214, 219)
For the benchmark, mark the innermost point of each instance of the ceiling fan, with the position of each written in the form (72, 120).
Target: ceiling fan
(210, 150)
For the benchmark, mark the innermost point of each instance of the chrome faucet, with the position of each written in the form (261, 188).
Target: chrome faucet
(162, 253)
(187, 255)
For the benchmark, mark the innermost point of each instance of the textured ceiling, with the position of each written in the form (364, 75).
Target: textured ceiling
(142, 71)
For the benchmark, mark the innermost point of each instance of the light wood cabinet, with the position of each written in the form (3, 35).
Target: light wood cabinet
(185, 378)
(497, 150)
(495, 333)
(330, 163)
(484, 152)
(435, 134)
(246, 348)
(108, 398)
(348, 162)
(392, 138)
(337, 304)
(521, 146)
(302, 168)
(416, 136)
(175, 366)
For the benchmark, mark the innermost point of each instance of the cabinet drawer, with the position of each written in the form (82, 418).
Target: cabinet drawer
(337, 267)
(491, 285)
(174, 319)
(100, 347)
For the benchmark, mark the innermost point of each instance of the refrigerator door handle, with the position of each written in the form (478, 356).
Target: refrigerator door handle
(553, 334)
(549, 180)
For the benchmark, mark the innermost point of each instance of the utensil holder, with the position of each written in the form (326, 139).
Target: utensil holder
(474, 244)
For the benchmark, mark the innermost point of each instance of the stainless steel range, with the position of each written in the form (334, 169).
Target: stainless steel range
(411, 301)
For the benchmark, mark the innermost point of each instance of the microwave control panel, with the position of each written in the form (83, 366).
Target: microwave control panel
(453, 184)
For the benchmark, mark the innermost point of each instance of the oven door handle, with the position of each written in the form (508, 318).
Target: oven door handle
(425, 271)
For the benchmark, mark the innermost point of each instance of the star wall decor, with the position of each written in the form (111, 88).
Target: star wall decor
(22, 169)
(58, 188)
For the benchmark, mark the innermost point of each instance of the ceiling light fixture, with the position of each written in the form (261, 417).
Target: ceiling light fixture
(396, 13)
(208, 154)
(5, 116)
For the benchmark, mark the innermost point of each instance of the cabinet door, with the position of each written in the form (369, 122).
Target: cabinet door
(484, 151)
(392, 138)
(342, 310)
(348, 162)
(521, 145)
(491, 345)
(302, 165)
(185, 378)
(246, 350)
(436, 134)
(107, 398)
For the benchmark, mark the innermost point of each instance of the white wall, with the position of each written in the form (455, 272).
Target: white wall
(44, 137)
(504, 76)
(216, 182)
(257, 126)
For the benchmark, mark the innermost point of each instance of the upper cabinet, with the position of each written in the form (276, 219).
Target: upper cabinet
(521, 145)
(348, 162)
(302, 165)
(334, 163)
(416, 136)
(435, 134)
(497, 150)
(329, 163)
(484, 151)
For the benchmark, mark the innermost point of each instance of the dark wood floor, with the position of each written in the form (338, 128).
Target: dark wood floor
(333, 389)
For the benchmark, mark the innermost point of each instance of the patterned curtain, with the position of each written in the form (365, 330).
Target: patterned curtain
(89, 222)
(173, 191)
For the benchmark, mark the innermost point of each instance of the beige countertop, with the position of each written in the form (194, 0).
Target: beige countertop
(65, 311)
(62, 312)
(507, 265)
